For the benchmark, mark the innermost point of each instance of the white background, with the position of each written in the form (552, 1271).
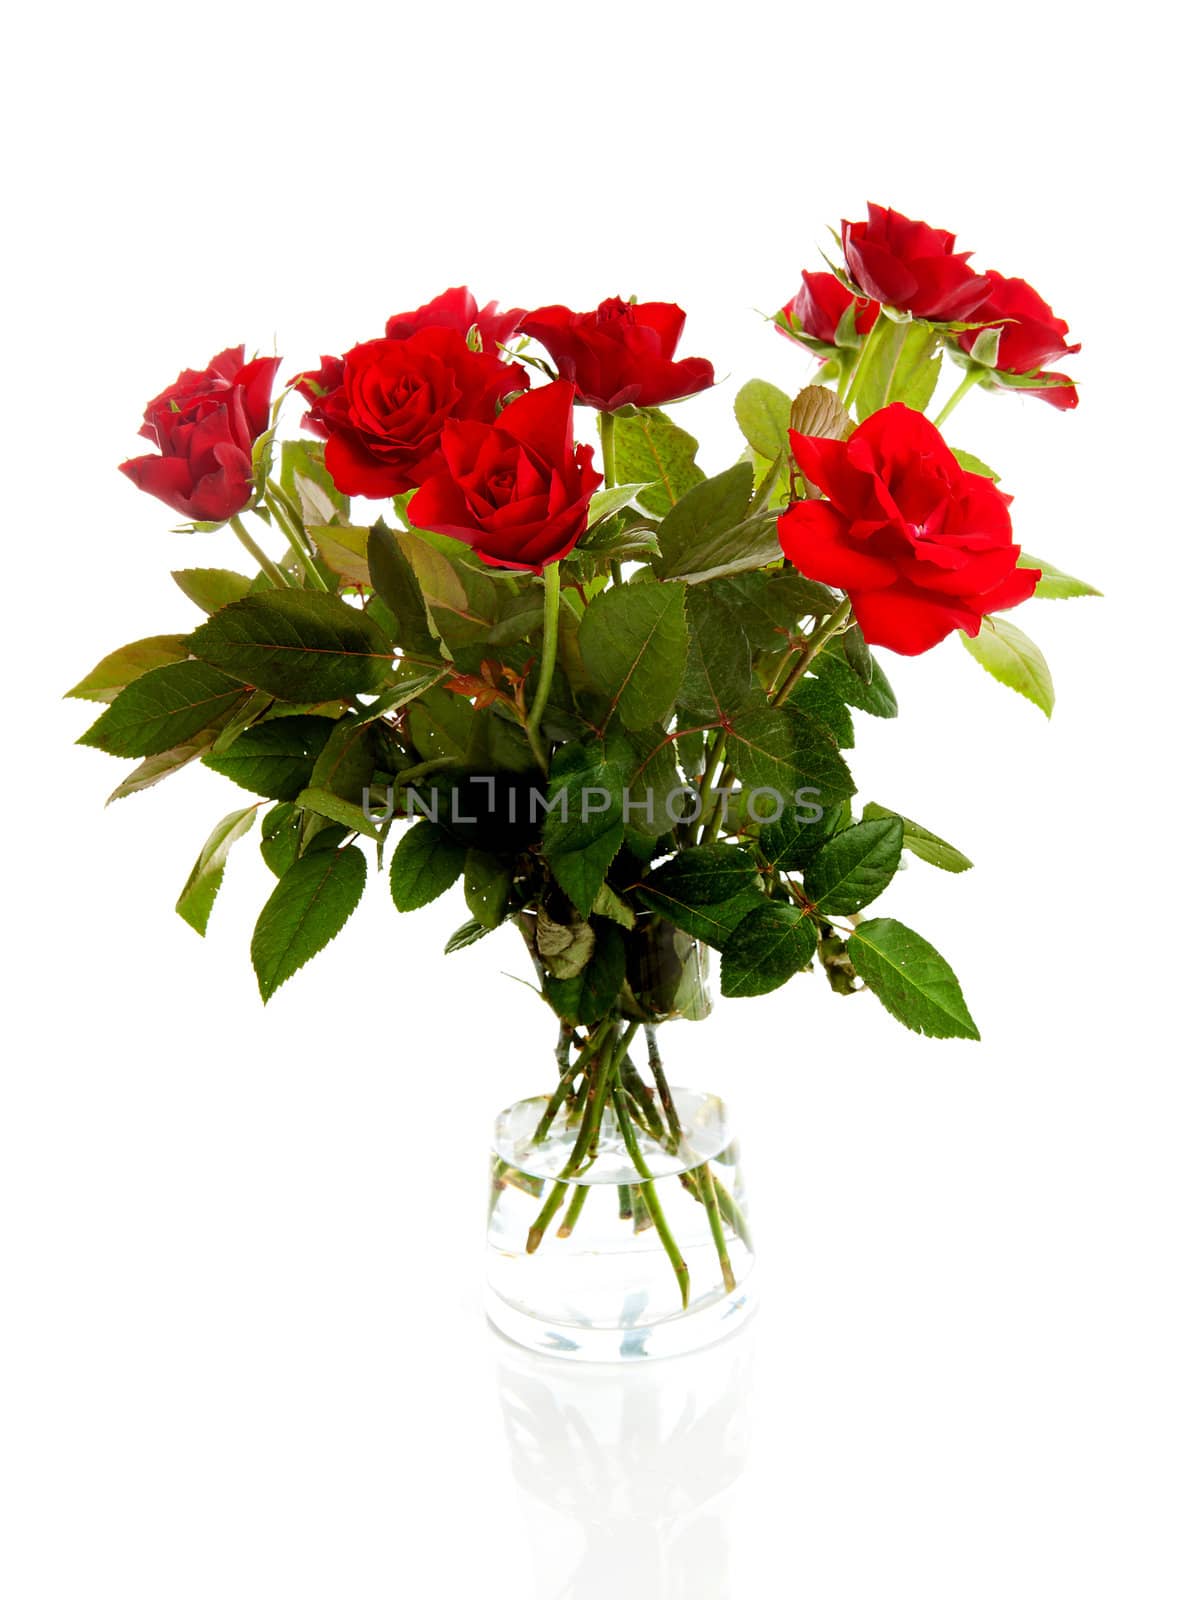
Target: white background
(243, 1352)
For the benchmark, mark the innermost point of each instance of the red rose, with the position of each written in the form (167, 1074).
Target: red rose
(820, 304)
(1029, 335)
(620, 354)
(205, 425)
(919, 545)
(382, 407)
(457, 308)
(910, 266)
(518, 489)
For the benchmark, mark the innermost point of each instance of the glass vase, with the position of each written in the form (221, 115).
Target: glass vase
(617, 1222)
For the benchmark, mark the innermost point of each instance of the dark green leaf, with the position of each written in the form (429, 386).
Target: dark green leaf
(115, 671)
(817, 697)
(584, 830)
(152, 771)
(586, 997)
(922, 842)
(771, 944)
(469, 933)
(706, 891)
(343, 550)
(280, 836)
(855, 867)
(633, 643)
(197, 896)
(275, 759)
(877, 697)
(649, 448)
(650, 781)
(350, 816)
(1013, 659)
(296, 644)
(425, 864)
(696, 534)
(788, 755)
(310, 904)
(488, 887)
(913, 980)
(769, 606)
(396, 584)
(164, 708)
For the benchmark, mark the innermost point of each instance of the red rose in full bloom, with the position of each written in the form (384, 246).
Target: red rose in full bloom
(820, 304)
(517, 490)
(621, 353)
(919, 545)
(457, 308)
(911, 266)
(205, 425)
(381, 408)
(1029, 335)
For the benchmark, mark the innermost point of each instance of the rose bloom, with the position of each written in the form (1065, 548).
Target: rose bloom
(517, 490)
(381, 408)
(911, 266)
(458, 309)
(820, 304)
(919, 545)
(205, 425)
(621, 353)
(1029, 335)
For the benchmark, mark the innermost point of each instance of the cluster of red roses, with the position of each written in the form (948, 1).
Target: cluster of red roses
(440, 408)
(917, 269)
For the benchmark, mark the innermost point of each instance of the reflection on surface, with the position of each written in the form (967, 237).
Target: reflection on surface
(625, 1473)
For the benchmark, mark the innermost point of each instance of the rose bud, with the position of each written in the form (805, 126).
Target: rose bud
(919, 545)
(516, 490)
(458, 309)
(911, 266)
(1028, 335)
(204, 426)
(819, 306)
(620, 354)
(382, 407)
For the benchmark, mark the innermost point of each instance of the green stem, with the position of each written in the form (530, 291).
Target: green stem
(608, 449)
(860, 366)
(973, 376)
(575, 1207)
(707, 784)
(817, 642)
(649, 1195)
(540, 1226)
(715, 1222)
(290, 523)
(664, 1094)
(547, 666)
(275, 574)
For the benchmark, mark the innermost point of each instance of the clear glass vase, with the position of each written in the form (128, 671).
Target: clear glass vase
(618, 1218)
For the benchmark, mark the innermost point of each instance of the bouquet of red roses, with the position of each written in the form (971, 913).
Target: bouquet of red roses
(610, 695)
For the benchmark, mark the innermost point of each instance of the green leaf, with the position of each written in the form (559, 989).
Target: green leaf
(855, 867)
(973, 463)
(703, 532)
(469, 933)
(565, 948)
(633, 642)
(649, 781)
(164, 708)
(396, 584)
(608, 501)
(212, 587)
(325, 803)
(898, 365)
(348, 758)
(296, 644)
(584, 831)
(1053, 584)
(817, 698)
(786, 753)
(706, 891)
(343, 551)
(762, 413)
(922, 842)
(611, 905)
(198, 894)
(912, 979)
(1013, 659)
(274, 759)
(425, 863)
(281, 829)
(877, 697)
(488, 887)
(586, 997)
(649, 448)
(155, 768)
(115, 671)
(769, 606)
(771, 944)
(463, 600)
(310, 904)
(308, 483)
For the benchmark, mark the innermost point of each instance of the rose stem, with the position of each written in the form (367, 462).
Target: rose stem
(664, 1094)
(567, 1074)
(974, 375)
(609, 469)
(624, 1201)
(275, 574)
(550, 1206)
(644, 1100)
(863, 362)
(284, 516)
(714, 762)
(818, 640)
(575, 1207)
(649, 1195)
(715, 1221)
(547, 665)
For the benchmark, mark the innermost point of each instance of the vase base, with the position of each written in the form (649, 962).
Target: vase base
(679, 1335)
